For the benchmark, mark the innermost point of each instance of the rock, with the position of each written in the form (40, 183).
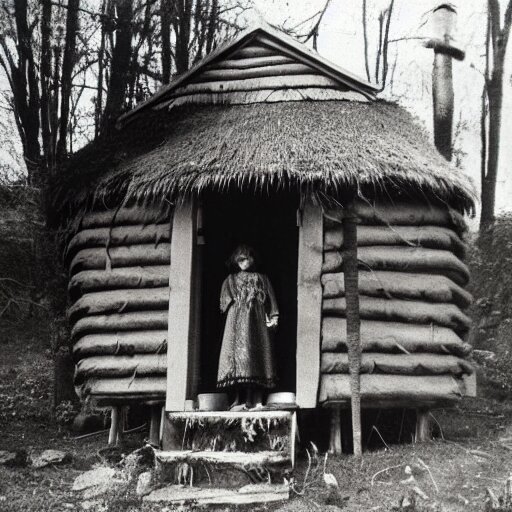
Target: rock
(144, 483)
(88, 423)
(13, 459)
(50, 457)
(93, 478)
(93, 505)
(141, 458)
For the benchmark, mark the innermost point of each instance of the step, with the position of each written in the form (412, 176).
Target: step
(186, 495)
(242, 459)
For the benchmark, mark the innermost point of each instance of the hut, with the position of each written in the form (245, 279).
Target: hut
(263, 141)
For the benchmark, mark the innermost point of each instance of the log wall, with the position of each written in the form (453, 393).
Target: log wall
(119, 287)
(412, 303)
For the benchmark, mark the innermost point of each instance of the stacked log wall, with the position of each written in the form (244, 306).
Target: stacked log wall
(119, 288)
(412, 302)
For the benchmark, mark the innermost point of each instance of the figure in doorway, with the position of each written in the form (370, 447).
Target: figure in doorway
(246, 361)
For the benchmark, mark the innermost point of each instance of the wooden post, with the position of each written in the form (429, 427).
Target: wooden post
(335, 445)
(115, 417)
(154, 426)
(353, 325)
(423, 425)
(309, 305)
(180, 306)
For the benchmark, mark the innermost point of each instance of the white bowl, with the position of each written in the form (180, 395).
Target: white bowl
(283, 397)
(212, 401)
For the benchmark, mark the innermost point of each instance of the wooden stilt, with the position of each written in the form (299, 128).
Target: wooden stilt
(114, 426)
(423, 425)
(335, 435)
(154, 426)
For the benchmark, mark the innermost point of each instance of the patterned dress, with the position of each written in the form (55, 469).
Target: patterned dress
(246, 353)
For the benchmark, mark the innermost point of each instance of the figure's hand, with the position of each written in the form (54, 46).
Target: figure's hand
(272, 323)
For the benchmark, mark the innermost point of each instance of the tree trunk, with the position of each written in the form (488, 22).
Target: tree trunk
(68, 63)
(488, 194)
(120, 68)
(499, 37)
(350, 273)
(165, 22)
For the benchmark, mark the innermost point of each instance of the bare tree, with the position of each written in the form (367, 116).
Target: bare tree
(381, 65)
(492, 108)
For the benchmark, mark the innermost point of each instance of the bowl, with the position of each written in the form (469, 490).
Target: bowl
(212, 401)
(282, 397)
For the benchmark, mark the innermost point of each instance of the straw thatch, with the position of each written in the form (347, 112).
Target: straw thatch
(320, 147)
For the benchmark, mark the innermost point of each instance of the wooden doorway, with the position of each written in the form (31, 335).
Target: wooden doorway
(270, 226)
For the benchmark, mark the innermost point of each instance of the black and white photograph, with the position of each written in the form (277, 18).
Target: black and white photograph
(255, 255)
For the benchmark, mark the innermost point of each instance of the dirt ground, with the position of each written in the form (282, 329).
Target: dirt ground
(451, 473)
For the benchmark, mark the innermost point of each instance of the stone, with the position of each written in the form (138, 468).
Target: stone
(249, 494)
(93, 478)
(144, 483)
(12, 459)
(49, 457)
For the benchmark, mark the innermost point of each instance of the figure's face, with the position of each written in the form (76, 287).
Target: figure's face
(245, 262)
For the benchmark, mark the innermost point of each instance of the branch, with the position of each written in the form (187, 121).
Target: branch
(365, 39)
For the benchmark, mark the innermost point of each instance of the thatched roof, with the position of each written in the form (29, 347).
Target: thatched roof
(321, 147)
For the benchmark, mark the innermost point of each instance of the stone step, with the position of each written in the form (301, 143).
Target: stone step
(186, 495)
(240, 459)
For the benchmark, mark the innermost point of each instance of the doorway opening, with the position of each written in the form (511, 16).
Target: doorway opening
(269, 225)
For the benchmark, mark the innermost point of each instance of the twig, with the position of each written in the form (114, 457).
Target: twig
(430, 473)
(383, 471)
(381, 438)
(437, 423)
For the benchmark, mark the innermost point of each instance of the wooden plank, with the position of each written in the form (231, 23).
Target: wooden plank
(401, 364)
(378, 336)
(255, 84)
(119, 301)
(120, 256)
(229, 415)
(201, 496)
(408, 311)
(251, 62)
(407, 259)
(400, 285)
(257, 72)
(127, 216)
(119, 343)
(180, 305)
(120, 366)
(394, 388)
(225, 457)
(140, 320)
(433, 237)
(266, 96)
(119, 235)
(309, 305)
(253, 51)
(123, 277)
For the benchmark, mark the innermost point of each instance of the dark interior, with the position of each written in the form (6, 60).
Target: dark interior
(268, 225)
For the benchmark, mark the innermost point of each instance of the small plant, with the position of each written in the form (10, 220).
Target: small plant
(65, 413)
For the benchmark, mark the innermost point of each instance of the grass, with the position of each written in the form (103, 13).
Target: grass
(461, 466)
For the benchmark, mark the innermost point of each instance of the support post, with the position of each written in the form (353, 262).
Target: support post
(309, 305)
(335, 441)
(115, 421)
(423, 425)
(154, 425)
(179, 350)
